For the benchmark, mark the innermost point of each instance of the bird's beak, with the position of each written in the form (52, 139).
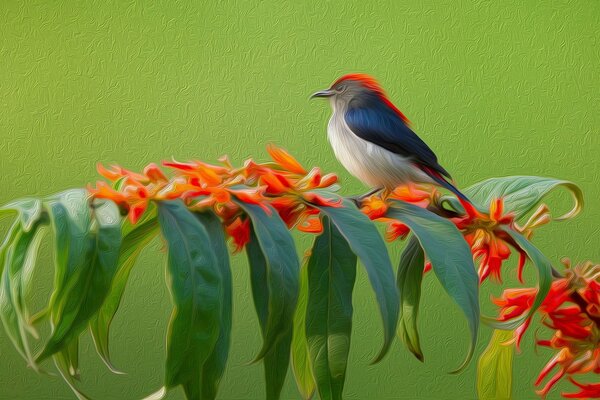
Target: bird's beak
(323, 93)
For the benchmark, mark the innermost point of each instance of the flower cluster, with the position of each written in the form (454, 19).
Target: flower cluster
(484, 232)
(283, 185)
(572, 311)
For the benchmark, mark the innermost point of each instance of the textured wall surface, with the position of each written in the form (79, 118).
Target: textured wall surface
(495, 87)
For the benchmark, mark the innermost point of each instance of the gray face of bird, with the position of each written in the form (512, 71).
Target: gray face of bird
(342, 93)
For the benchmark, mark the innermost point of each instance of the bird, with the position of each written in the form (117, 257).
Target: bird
(373, 139)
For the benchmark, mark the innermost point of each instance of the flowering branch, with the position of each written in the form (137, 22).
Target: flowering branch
(197, 206)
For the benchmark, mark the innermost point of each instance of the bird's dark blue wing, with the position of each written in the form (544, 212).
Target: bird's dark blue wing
(379, 124)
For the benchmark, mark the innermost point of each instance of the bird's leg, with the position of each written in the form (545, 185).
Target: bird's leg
(359, 199)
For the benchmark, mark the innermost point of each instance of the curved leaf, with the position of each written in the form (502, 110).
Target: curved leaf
(522, 193)
(366, 242)
(300, 358)
(494, 370)
(331, 276)
(134, 241)
(274, 272)
(67, 364)
(29, 211)
(450, 258)
(408, 280)
(18, 256)
(544, 268)
(86, 264)
(276, 357)
(214, 367)
(196, 287)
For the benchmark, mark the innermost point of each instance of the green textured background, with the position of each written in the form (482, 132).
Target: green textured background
(495, 87)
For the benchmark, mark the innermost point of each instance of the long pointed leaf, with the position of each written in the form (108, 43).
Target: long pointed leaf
(300, 358)
(366, 242)
(88, 265)
(331, 276)
(450, 258)
(196, 287)
(214, 367)
(494, 370)
(409, 279)
(18, 256)
(137, 238)
(275, 263)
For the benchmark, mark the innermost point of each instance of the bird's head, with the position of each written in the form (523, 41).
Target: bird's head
(356, 90)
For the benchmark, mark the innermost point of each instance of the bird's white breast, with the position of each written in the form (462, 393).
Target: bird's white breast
(372, 164)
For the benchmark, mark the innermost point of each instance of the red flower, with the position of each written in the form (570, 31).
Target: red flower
(569, 311)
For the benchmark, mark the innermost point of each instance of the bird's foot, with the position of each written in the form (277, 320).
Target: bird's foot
(359, 199)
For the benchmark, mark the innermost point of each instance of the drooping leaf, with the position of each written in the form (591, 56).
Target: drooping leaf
(66, 361)
(408, 280)
(196, 286)
(300, 358)
(494, 370)
(135, 239)
(18, 256)
(276, 358)
(274, 271)
(366, 242)
(87, 258)
(522, 193)
(450, 258)
(276, 363)
(331, 276)
(544, 269)
(214, 367)
(29, 211)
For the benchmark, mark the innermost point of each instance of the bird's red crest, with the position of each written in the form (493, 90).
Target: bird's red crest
(371, 83)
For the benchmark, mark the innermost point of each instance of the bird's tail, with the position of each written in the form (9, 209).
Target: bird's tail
(464, 200)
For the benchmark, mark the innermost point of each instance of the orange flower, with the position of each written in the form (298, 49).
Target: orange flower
(420, 195)
(569, 311)
(488, 242)
(134, 190)
(285, 160)
(589, 391)
(374, 207)
(239, 231)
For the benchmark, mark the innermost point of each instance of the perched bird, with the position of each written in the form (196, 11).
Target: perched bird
(373, 139)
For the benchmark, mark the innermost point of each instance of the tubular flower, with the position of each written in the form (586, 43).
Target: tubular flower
(376, 207)
(283, 185)
(130, 191)
(571, 311)
(489, 244)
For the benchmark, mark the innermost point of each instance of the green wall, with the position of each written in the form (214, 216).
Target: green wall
(495, 87)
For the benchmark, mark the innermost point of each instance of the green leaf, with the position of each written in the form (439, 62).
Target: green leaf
(67, 363)
(494, 370)
(214, 367)
(276, 358)
(300, 358)
(274, 272)
(331, 276)
(366, 242)
(450, 258)
(544, 269)
(136, 238)
(86, 260)
(196, 287)
(522, 193)
(276, 365)
(29, 211)
(18, 256)
(409, 279)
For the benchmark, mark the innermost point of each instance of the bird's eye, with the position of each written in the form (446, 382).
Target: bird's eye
(341, 88)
